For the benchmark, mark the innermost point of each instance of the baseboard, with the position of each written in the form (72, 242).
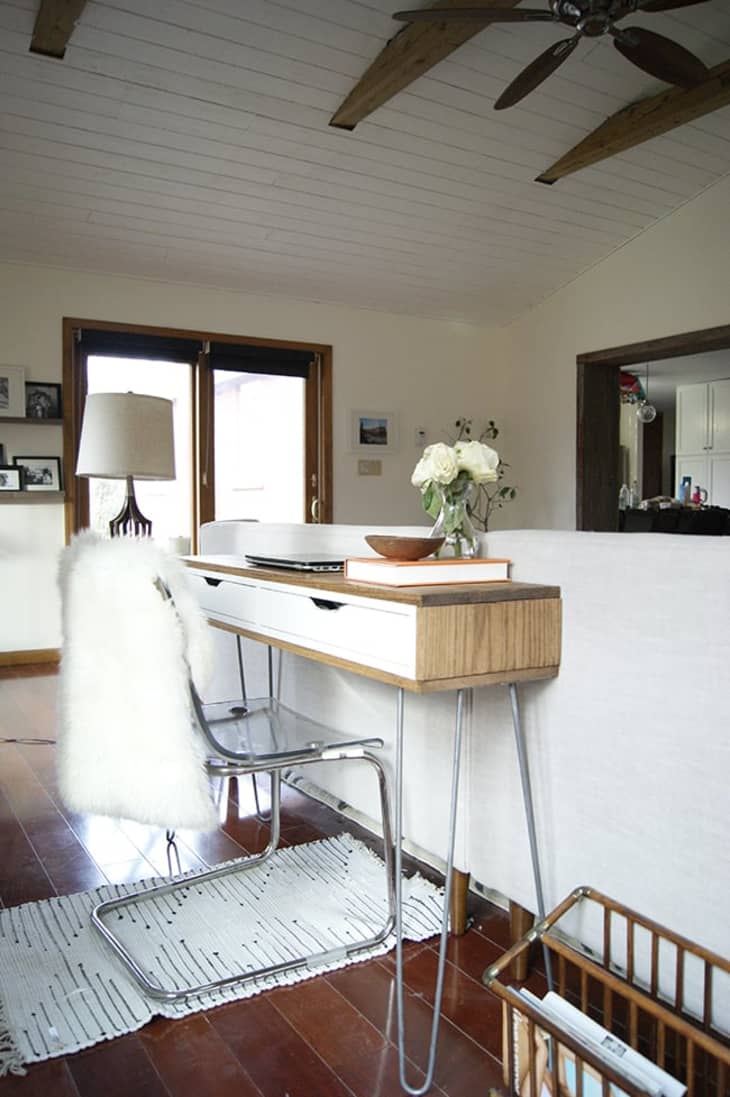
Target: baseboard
(28, 658)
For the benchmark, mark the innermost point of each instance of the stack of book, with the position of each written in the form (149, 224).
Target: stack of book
(422, 573)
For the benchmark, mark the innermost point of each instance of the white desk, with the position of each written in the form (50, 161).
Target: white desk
(420, 639)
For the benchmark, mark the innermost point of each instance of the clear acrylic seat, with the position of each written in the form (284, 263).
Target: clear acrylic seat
(252, 737)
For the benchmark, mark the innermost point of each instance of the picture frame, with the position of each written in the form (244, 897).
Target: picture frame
(374, 432)
(42, 400)
(40, 473)
(12, 392)
(11, 478)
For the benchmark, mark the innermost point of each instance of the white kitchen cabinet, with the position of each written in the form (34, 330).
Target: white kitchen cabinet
(710, 471)
(703, 417)
(692, 425)
(696, 467)
(703, 439)
(718, 480)
(719, 416)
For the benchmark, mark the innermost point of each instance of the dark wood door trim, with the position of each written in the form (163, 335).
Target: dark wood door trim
(597, 419)
(318, 455)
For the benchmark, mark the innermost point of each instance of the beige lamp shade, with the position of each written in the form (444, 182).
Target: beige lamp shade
(124, 434)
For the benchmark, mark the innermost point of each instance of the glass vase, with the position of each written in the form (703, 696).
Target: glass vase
(454, 523)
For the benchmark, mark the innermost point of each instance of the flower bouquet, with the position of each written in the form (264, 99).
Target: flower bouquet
(446, 476)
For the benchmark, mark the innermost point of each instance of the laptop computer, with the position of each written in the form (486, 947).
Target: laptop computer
(298, 561)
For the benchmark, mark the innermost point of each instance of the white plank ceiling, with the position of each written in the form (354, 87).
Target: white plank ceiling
(188, 140)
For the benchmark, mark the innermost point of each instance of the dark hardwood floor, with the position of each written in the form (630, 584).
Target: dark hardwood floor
(331, 1036)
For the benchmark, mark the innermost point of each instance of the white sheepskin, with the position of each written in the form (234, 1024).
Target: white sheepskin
(127, 744)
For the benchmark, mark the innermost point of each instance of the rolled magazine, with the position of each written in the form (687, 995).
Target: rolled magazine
(602, 1044)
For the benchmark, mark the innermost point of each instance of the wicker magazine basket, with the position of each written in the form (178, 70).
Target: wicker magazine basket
(663, 995)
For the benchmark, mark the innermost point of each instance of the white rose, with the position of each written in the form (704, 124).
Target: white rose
(438, 465)
(421, 476)
(479, 460)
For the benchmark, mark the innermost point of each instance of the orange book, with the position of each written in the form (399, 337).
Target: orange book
(422, 573)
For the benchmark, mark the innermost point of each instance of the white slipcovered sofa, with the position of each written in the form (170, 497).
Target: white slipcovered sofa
(629, 747)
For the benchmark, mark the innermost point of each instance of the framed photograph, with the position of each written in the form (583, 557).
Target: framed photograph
(11, 478)
(12, 392)
(40, 473)
(374, 431)
(42, 400)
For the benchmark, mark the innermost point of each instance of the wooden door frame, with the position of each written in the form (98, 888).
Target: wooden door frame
(318, 396)
(597, 417)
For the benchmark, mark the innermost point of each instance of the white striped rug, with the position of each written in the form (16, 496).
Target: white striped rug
(62, 989)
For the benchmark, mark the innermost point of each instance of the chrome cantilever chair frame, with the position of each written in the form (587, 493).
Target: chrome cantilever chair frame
(222, 763)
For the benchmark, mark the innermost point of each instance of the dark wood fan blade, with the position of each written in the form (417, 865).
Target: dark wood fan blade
(537, 71)
(475, 15)
(660, 56)
(667, 5)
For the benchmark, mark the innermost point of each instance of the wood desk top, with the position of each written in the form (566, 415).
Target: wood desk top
(450, 594)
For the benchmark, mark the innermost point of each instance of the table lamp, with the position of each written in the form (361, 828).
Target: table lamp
(125, 436)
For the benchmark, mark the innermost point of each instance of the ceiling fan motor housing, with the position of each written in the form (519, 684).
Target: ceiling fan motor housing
(591, 17)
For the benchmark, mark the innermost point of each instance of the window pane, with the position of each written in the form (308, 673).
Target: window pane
(167, 503)
(259, 446)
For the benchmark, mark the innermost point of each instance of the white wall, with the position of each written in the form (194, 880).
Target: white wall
(428, 372)
(29, 540)
(673, 278)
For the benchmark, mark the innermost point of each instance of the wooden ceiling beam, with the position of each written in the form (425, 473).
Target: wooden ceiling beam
(54, 25)
(409, 54)
(641, 121)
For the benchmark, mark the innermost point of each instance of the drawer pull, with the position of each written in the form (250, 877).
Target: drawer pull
(212, 582)
(324, 603)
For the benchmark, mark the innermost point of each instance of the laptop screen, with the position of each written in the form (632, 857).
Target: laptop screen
(298, 561)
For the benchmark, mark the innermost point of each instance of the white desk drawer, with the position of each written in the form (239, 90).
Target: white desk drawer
(380, 634)
(231, 599)
(328, 623)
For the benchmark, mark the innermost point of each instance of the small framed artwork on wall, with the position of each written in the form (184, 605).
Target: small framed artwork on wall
(374, 431)
(42, 400)
(11, 478)
(12, 392)
(40, 473)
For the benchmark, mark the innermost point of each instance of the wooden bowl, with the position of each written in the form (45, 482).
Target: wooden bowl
(404, 548)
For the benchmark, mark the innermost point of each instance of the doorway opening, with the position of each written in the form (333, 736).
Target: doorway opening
(597, 424)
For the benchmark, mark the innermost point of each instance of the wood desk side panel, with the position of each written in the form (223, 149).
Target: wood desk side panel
(413, 685)
(489, 638)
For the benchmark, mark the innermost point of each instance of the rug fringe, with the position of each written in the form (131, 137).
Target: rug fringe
(10, 1058)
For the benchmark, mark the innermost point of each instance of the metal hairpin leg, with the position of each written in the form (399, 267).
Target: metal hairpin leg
(432, 1047)
(529, 815)
(270, 668)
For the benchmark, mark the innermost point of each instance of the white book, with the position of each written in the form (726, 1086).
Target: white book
(421, 573)
(635, 1067)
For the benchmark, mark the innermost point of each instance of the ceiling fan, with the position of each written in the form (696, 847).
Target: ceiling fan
(655, 54)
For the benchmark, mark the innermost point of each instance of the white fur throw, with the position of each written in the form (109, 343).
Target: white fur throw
(127, 745)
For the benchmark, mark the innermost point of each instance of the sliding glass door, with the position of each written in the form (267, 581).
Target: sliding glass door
(259, 446)
(252, 419)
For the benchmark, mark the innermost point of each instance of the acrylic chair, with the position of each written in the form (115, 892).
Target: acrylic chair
(138, 591)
